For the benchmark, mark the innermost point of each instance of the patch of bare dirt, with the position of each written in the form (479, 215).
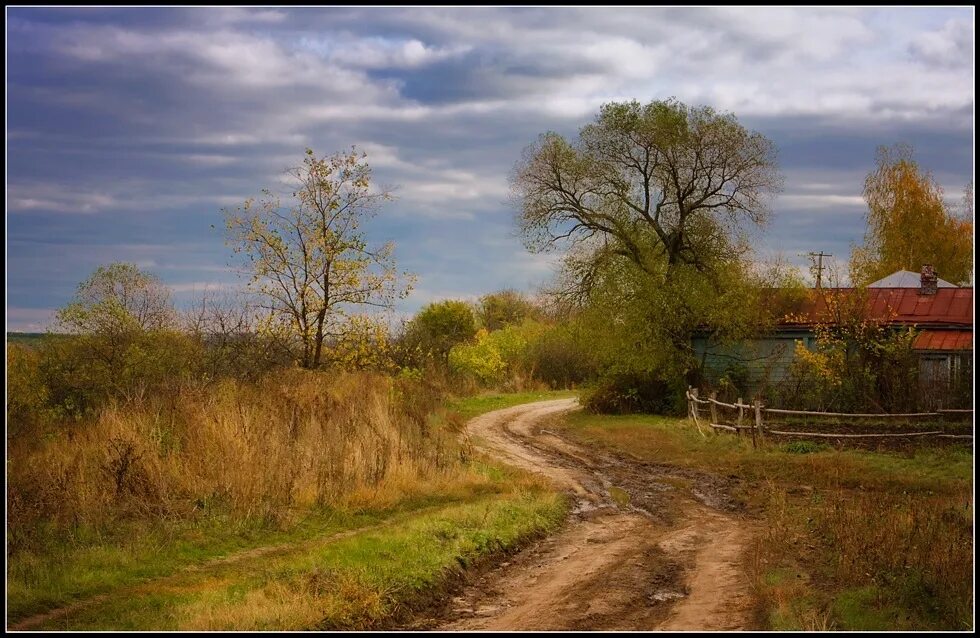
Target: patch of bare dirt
(647, 547)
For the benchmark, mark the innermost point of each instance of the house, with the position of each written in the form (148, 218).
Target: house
(940, 312)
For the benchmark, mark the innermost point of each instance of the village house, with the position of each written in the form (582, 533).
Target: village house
(940, 312)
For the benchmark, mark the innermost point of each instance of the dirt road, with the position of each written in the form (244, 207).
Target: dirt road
(649, 547)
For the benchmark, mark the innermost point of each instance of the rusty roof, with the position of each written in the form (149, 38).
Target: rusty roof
(902, 306)
(943, 340)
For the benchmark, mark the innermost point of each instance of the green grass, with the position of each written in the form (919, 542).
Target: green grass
(39, 580)
(854, 539)
(469, 407)
(369, 579)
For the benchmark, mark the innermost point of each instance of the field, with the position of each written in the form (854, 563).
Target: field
(854, 539)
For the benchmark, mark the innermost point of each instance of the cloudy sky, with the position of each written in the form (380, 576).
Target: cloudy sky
(129, 129)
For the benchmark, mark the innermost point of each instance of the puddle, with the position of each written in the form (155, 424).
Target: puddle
(662, 596)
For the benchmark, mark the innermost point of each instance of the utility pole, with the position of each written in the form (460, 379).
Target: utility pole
(819, 265)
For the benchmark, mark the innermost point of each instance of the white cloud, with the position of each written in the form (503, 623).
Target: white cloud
(950, 46)
(819, 202)
(443, 100)
(379, 53)
(52, 197)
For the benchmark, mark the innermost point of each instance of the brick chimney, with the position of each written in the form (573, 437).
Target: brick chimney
(929, 280)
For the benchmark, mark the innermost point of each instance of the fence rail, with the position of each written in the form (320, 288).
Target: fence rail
(760, 431)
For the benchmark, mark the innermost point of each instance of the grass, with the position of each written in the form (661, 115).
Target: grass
(855, 539)
(469, 407)
(359, 560)
(369, 579)
(135, 552)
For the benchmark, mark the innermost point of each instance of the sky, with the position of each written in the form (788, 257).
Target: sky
(128, 130)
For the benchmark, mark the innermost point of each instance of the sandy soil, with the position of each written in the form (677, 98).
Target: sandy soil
(648, 547)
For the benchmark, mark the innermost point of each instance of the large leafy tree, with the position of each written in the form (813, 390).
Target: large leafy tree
(910, 224)
(657, 182)
(654, 202)
(309, 257)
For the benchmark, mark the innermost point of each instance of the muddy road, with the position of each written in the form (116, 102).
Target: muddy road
(648, 547)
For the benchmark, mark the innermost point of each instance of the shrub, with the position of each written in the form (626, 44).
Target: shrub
(632, 393)
(500, 358)
(560, 359)
(85, 372)
(27, 394)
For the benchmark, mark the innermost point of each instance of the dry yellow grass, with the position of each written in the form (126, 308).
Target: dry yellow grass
(258, 451)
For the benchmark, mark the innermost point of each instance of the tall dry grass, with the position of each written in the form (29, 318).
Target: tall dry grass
(261, 450)
(911, 549)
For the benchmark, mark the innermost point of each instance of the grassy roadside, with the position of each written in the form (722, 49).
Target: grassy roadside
(469, 407)
(855, 539)
(353, 567)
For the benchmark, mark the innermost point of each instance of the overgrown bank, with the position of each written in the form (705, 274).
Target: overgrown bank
(221, 508)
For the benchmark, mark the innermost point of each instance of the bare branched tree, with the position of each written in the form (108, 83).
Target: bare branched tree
(661, 182)
(309, 258)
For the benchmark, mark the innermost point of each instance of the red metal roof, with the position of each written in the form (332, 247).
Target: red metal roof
(905, 306)
(943, 340)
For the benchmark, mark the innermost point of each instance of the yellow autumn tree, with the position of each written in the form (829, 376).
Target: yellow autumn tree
(910, 224)
(309, 258)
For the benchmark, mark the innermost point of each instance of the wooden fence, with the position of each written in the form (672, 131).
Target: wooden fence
(751, 418)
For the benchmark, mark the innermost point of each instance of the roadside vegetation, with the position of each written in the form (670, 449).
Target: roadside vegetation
(179, 502)
(851, 539)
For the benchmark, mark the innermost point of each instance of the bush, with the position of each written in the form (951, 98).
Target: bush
(632, 393)
(83, 373)
(560, 359)
(502, 358)
(27, 393)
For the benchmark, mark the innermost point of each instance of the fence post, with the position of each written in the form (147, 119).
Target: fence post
(693, 403)
(758, 421)
(738, 424)
(714, 408)
(740, 411)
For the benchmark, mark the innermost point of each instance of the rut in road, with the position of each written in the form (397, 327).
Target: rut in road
(669, 558)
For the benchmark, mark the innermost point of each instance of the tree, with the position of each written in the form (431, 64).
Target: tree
(438, 327)
(118, 298)
(114, 306)
(124, 341)
(655, 180)
(506, 307)
(654, 202)
(910, 224)
(309, 258)
(227, 325)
